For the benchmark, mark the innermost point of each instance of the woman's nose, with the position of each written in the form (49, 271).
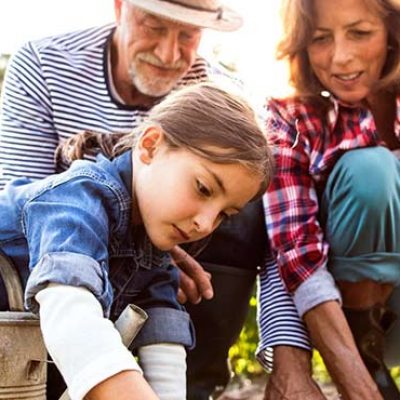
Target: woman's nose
(342, 52)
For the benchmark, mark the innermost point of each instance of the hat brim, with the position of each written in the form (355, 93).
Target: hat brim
(226, 20)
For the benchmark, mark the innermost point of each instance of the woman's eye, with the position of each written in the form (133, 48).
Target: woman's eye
(360, 33)
(320, 39)
(203, 190)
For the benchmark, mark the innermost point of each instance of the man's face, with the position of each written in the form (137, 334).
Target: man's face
(153, 52)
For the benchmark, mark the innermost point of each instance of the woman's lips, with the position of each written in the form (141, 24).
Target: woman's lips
(347, 79)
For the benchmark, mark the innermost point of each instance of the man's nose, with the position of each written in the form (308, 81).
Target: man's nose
(168, 50)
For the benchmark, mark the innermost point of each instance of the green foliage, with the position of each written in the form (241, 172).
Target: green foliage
(395, 372)
(320, 372)
(242, 353)
(244, 364)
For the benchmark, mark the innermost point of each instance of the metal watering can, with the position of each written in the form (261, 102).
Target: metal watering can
(23, 355)
(23, 369)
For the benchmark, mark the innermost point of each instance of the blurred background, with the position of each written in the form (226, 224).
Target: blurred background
(249, 51)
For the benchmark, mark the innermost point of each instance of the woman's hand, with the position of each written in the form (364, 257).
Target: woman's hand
(331, 335)
(291, 378)
(194, 282)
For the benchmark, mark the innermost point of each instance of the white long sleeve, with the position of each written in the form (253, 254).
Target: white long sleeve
(84, 345)
(164, 367)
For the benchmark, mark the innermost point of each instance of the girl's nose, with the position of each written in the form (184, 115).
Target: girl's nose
(205, 223)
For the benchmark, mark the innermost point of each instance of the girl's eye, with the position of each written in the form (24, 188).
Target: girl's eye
(203, 190)
(223, 215)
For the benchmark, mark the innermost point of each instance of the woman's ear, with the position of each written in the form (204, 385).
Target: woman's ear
(149, 142)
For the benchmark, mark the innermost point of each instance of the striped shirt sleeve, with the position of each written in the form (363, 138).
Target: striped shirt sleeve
(279, 323)
(26, 118)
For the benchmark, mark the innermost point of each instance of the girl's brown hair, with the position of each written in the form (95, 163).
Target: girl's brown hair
(298, 22)
(203, 118)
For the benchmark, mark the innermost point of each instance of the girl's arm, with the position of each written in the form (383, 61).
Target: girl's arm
(126, 385)
(86, 347)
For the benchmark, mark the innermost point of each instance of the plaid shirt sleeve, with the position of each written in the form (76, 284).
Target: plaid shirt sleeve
(291, 201)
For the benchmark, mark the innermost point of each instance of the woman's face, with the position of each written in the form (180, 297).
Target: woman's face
(348, 48)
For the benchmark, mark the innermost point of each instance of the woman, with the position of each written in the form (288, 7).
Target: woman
(334, 205)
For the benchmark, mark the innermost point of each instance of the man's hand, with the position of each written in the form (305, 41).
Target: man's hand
(291, 378)
(194, 282)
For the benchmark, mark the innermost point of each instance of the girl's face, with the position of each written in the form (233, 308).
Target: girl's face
(182, 197)
(348, 48)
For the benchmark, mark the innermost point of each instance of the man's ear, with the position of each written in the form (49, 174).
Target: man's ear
(149, 143)
(117, 10)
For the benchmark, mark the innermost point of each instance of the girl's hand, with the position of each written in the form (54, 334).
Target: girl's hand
(194, 282)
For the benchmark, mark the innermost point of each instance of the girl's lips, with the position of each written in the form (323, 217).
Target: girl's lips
(181, 233)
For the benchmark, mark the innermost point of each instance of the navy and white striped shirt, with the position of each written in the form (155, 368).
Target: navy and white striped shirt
(59, 86)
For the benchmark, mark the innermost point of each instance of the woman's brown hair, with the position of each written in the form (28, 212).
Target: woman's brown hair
(298, 22)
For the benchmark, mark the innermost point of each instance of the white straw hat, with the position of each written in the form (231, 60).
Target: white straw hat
(202, 13)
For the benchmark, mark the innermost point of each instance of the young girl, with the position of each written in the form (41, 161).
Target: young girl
(86, 242)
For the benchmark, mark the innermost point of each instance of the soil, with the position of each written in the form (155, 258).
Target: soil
(254, 390)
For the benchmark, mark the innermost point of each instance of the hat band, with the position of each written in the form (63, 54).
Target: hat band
(218, 11)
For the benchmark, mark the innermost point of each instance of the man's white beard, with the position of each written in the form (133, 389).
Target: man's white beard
(153, 86)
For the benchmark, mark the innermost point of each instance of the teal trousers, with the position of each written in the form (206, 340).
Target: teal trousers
(360, 212)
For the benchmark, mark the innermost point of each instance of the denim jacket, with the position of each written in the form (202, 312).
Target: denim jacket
(70, 227)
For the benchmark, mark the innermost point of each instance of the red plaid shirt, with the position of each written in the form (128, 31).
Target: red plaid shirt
(308, 144)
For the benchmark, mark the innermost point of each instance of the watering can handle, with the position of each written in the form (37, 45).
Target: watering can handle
(12, 283)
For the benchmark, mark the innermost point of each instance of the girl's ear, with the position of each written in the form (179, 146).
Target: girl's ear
(149, 142)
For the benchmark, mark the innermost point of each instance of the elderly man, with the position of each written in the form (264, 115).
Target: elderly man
(106, 79)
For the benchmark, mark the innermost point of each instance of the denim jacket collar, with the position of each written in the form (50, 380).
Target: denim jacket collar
(136, 242)
(123, 165)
